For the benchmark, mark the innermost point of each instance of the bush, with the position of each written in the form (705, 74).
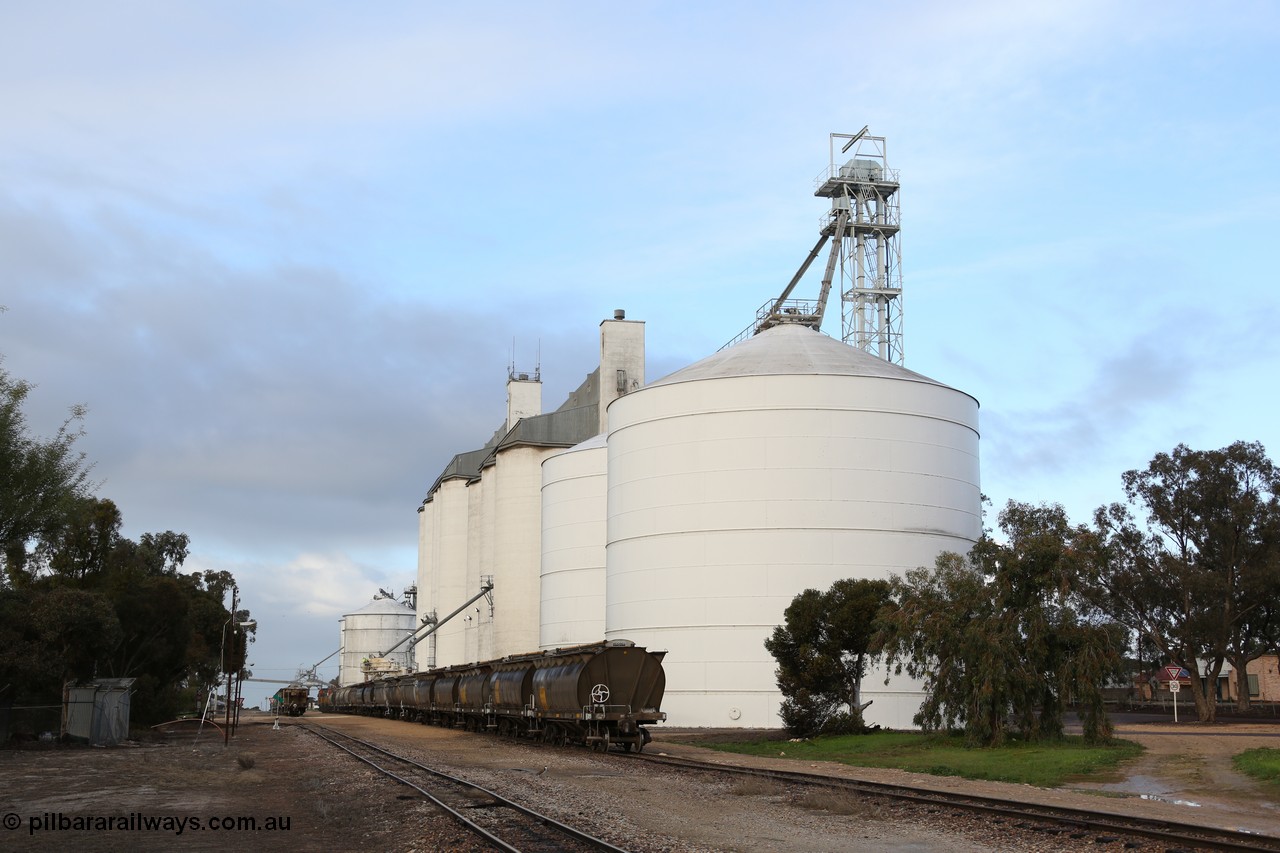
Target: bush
(804, 714)
(845, 723)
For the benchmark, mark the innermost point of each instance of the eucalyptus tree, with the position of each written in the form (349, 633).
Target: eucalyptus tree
(40, 478)
(1001, 638)
(1199, 575)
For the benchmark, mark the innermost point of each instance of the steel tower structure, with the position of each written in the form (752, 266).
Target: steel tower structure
(862, 227)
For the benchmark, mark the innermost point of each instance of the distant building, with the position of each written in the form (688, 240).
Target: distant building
(1263, 675)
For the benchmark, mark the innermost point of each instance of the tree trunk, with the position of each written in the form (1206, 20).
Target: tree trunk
(1243, 702)
(1202, 691)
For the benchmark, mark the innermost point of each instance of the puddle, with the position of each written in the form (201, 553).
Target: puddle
(1147, 787)
(1166, 800)
(1143, 787)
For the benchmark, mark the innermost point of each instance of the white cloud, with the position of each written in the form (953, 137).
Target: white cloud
(297, 603)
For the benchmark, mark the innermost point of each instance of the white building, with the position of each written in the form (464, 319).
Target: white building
(483, 515)
(685, 515)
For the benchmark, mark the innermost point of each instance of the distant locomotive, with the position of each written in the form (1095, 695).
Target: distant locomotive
(600, 695)
(290, 702)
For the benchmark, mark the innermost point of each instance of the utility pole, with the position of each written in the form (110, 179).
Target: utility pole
(235, 602)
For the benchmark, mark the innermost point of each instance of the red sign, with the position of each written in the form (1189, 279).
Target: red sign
(1173, 673)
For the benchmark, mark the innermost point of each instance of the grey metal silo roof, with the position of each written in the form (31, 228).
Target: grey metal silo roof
(792, 350)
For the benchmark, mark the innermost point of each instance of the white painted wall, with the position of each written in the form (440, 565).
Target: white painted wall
(621, 349)
(573, 545)
(489, 525)
(424, 651)
(449, 576)
(524, 399)
(477, 532)
(517, 549)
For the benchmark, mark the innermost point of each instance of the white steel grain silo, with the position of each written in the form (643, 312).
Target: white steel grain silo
(370, 633)
(573, 545)
(784, 463)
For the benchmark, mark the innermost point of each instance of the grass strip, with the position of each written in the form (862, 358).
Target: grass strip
(1046, 765)
(1262, 763)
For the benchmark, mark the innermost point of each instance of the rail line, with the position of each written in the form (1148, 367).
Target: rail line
(1020, 815)
(502, 822)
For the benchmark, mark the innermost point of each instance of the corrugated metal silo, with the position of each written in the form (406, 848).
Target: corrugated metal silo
(370, 632)
(573, 545)
(784, 463)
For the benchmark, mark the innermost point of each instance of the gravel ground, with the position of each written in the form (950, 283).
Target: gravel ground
(648, 809)
(332, 800)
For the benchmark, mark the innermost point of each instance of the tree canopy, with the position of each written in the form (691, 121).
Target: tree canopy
(1198, 574)
(39, 478)
(1187, 570)
(1000, 638)
(78, 599)
(823, 649)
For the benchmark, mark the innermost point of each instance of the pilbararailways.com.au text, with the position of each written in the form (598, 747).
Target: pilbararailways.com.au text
(142, 822)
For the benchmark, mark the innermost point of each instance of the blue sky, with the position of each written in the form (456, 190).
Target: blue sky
(282, 251)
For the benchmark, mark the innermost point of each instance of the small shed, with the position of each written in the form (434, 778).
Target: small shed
(97, 712)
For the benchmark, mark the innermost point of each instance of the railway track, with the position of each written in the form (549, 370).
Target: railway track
(505, 824)
(1052, 820)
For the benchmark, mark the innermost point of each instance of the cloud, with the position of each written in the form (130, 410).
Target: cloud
(1144, 394)
(297, 603)
(207, 383)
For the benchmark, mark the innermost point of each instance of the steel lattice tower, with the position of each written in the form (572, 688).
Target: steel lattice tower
(862, 227)
(864, 224)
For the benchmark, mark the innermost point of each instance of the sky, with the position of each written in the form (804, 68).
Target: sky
(285, 252)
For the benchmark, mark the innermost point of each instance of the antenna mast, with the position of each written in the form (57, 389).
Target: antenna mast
(862, 226)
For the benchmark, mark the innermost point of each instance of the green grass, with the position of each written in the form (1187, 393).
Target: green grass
(1261, 764)
(1043, 764)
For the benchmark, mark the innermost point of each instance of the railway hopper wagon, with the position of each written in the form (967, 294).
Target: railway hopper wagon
(600, 695)
(290, 701)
